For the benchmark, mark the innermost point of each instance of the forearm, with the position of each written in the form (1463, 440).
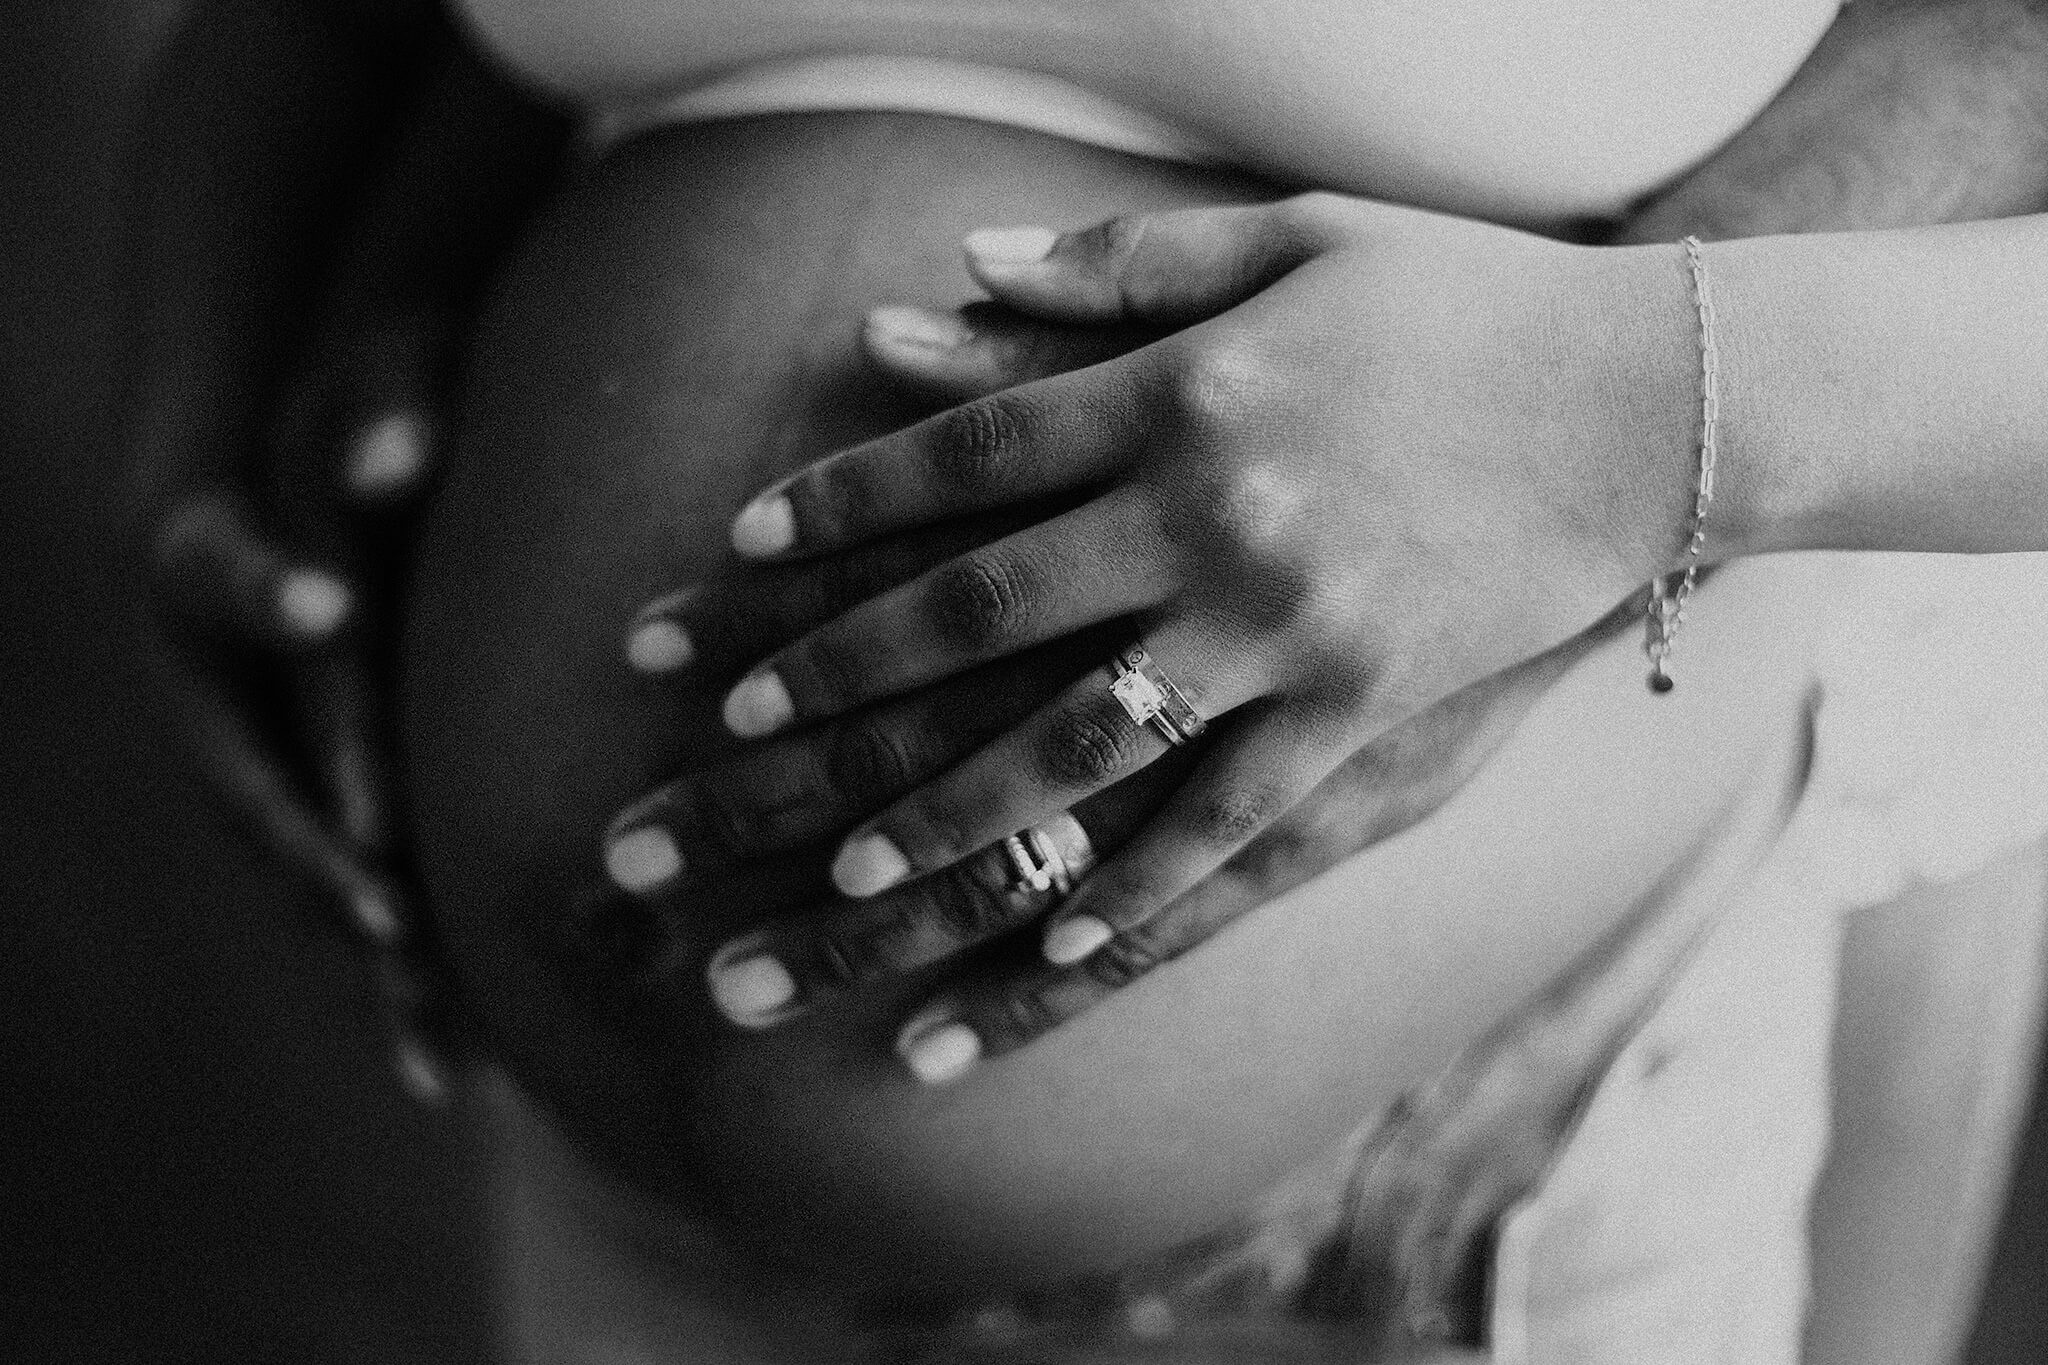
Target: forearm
(1882, 391)
(1909, 112)
(1877, 390)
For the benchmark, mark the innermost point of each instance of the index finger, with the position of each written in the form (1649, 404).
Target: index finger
(1023, 443)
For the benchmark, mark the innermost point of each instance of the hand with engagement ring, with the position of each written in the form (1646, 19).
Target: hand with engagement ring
(1404, 462)
(746, 831)
(660, 849)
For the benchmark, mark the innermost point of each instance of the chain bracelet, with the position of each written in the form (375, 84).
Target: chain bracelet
(1670, 592)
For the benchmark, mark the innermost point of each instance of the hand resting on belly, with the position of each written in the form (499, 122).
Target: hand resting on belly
(679, 332)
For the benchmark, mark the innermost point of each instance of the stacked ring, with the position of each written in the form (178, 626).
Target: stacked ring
(1049, 857)
(1149, 697)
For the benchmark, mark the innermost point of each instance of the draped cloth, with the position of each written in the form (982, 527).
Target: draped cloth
(1621, 1172)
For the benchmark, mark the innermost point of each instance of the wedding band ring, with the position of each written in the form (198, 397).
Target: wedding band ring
(1149, 697)
(1051, 857)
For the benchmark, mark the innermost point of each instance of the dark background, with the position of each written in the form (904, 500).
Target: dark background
(203, 1155)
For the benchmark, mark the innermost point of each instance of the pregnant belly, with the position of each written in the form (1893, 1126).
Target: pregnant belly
(675, 333)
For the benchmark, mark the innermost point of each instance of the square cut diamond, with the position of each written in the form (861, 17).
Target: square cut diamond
(1140, 696)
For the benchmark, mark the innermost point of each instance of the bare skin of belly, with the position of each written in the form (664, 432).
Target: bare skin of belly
(679, 331)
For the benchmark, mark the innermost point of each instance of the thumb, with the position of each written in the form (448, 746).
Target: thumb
(1157, 268)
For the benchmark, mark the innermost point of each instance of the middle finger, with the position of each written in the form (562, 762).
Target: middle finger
(1084, 566)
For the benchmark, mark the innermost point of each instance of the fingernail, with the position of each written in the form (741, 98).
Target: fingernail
(938, 1048)
(758, 705)
(422, 1073)
(998, 249)
(915, 329)
(387, 455)
(1150, 1318)
(869, 865)
(749, 986)
(659, 645)
(643, 859)
(376, 917)
(765, 526)
(312, 601)
(1067, 941)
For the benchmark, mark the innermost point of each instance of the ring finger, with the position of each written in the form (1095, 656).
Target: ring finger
(1082, 742)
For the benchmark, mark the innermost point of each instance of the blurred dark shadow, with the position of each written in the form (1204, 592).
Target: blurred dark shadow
(205, 1157)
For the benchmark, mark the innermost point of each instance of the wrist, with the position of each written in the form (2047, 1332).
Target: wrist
(1731, 393)
(1645, 394)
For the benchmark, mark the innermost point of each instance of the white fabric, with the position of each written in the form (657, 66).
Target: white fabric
(1523, 111)
(912, 85)
(1673, 1228)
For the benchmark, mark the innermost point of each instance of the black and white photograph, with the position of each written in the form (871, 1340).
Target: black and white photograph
(1024, 682)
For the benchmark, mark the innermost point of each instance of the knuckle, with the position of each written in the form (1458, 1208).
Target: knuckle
(715, 821)
(1217, 385)
(1110, 249)
(843, 499)
(981, 602)
(865, 950)
(1255, 536)
(972, 446)
(1280, 850)
(1234, 814)
(965, 909)
(1087, 744)
(1258, 506)
(868, 760)
(931, 827)
(1113, 240)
